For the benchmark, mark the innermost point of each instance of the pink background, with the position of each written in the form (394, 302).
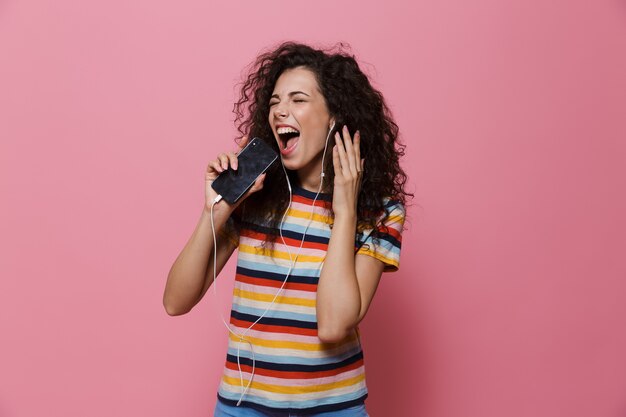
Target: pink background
(511, 295)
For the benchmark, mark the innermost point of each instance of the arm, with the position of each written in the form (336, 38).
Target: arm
(347, 282)
(346, 286)
(192, 273)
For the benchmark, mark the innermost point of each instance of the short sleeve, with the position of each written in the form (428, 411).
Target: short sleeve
(230, 232)
(386, 247)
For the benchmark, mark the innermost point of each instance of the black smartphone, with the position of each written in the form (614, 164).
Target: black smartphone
(252, 161)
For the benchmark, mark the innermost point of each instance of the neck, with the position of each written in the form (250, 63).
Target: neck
(309, 182)
(309, 176)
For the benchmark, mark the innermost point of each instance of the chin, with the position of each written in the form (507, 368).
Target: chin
(293, 165)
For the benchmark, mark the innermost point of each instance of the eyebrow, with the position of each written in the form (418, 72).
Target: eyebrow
(293, 93)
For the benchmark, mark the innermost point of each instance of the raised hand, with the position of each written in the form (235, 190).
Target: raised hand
(221, 164)
(348, 167)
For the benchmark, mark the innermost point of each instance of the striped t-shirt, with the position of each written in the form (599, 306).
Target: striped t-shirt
(294, 371)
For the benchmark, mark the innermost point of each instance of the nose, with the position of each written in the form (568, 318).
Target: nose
(279, 111)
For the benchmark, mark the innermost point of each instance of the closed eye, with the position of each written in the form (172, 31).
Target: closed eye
(295, 101)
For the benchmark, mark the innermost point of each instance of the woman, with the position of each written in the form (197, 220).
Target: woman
(314, 233)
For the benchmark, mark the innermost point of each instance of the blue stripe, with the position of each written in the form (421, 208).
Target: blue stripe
(312, 230)
(290, 367)
(257, 312)
(297, 190)
(274, 321)
(290, 404)
(308, 272)
(385, 248)
(253, 273)
(244, 353)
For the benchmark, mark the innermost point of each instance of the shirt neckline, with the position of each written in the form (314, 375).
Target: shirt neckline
(297, 190)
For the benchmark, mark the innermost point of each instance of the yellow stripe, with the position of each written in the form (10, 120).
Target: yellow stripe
(269, 297)
(394, 219)
(261, 251)
(282, 389)
(284, 344)
(307, 215)
(377, 255)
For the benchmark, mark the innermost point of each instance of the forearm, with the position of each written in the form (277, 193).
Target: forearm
(188, 273)
(338, 295)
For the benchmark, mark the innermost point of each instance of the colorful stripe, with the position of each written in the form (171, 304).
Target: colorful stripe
(293, 369)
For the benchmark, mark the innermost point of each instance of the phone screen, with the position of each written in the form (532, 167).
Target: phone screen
(252, 161)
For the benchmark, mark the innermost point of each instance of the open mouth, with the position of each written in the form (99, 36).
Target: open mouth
(288, 137)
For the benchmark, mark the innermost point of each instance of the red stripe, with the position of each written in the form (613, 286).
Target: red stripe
(295, 375)
(262, 282)
(271, 328)
(393, 232)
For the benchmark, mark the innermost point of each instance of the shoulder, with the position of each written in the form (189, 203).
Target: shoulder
(385, 240)
(394, 212)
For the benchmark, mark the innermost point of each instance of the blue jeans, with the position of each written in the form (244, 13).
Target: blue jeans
(224, 410)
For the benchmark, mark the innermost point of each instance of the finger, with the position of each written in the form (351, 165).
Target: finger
(214, 166)
(258, 184)
(357, 147)
(259, 181)
(223, 158)
(243, 142)
(233, 160)
(360, 177)
(342, 154)
(336, 162)
(352, 161)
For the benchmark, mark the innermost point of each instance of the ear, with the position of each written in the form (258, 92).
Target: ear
(331, 124)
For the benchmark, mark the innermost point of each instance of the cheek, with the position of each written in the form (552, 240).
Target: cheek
(269, 126)
(311, 120)
(301, 116)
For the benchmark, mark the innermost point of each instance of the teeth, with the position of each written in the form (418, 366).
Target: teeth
(282, 130)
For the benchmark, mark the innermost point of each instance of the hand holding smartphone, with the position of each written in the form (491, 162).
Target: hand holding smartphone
(252, 161)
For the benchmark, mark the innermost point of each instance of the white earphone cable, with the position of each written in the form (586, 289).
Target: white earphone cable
(292, 260)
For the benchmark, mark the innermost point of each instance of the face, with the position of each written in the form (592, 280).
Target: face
(299, 119)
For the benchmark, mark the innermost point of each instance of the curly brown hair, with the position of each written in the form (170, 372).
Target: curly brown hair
(352, 101)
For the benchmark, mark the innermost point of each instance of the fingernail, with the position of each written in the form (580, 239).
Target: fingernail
(357, 133)
(338, 136)
(345, 127)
